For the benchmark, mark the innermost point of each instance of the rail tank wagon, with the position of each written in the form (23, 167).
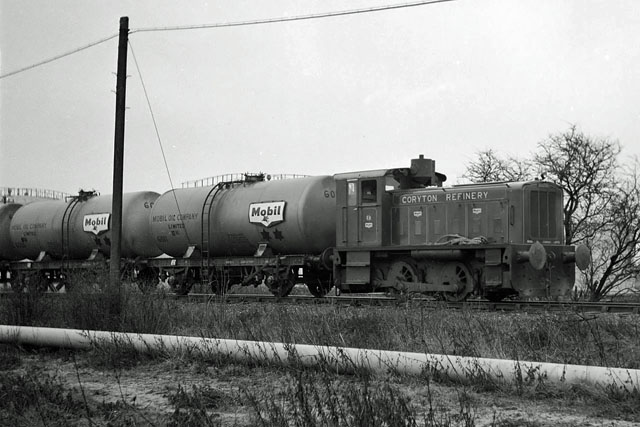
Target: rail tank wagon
(37, 228)
(289, 216)
(7, 251)
(248, 232)
(80, 228)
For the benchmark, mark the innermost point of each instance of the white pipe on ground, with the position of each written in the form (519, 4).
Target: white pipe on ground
(341, 359)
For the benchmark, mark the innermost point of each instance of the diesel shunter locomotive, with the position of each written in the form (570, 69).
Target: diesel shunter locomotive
(390, 230)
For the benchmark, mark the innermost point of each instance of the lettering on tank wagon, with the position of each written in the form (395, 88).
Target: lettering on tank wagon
(267, 213)
(411, 199)
(96, 223)
(188, 216)
(29, 226)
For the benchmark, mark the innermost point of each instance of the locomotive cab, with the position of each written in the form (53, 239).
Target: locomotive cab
(364, 199)
(364, 217)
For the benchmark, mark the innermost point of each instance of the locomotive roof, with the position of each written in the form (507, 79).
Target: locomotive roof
(375, 173)
(516, 185)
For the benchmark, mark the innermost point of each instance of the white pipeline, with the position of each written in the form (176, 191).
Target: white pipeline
(341, 359)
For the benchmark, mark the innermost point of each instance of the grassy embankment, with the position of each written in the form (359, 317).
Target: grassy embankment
(318, 396)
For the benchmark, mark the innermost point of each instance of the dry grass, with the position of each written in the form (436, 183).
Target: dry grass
(316, 396)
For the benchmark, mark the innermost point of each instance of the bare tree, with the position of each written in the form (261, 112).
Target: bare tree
(616, 246)
(489, 167)
(585, 168)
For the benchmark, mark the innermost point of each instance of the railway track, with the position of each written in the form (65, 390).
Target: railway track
(381, 300)
(384, 300)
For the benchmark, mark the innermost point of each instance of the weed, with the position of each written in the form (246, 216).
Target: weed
(195, 407)
(324, 401)
(117, 354)
(27, 400)
(9, 357)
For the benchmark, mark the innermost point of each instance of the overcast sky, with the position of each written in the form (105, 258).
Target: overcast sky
(322, 96)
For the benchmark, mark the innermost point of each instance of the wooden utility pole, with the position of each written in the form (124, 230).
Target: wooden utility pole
(118, 155)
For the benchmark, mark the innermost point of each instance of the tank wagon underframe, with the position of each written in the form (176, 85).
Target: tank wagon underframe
(279, 273)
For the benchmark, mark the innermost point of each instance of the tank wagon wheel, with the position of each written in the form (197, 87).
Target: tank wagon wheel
(219, 283)
(459, 278)
(402, 271)
(282, 281)
(318, 283)
(18, 282)
(147, 278)
(319, 287)
(180, 282)
(32, 281)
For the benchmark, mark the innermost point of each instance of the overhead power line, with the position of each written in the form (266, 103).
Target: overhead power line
(55, 58)
(293, 18)
(230, 24)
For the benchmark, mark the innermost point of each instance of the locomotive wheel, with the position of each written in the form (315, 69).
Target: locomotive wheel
(379, 276)
(458, 276)
(402, 271)
(498, 295)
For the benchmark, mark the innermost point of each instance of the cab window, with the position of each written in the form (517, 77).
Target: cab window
(352, 195)
(369, 191)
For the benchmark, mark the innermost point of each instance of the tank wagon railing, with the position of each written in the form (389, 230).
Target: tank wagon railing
(235, 177)
(7, 194)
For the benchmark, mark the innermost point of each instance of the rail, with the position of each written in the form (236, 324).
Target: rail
(383, 300)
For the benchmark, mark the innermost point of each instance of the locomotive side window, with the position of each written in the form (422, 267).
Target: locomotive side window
(352, 195)
(369, 191)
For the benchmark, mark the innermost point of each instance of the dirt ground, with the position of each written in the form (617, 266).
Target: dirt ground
(150, 388)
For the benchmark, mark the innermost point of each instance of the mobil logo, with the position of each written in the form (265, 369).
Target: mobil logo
(96, 223)
(267, 213)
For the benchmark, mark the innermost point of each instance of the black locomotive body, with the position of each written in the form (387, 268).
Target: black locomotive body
(392, 230)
